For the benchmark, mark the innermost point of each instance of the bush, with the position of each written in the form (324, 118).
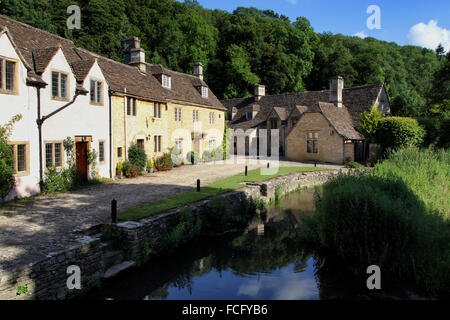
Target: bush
(61, 180)
(398, 132)
(137, 157)
(164, 162)
(7, 180)
(149, 164)
(436, 132)
(369, 124)
(130, 170)
(218, 154)
(207, 156)
(177, 157)
(193, 157)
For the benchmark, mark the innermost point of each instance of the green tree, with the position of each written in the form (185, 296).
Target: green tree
(369, 124)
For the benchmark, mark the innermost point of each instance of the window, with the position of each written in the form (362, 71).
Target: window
(249, 115)
(131, 106)
(157, 143)
(205, 92)
(101, 151)
(178, 114)
(212, 144)
(96, 92)
(19, 152)
(140, 143)
(166, 81)
(119, 152)
(294, 122)
(312, 142)
(211, 118)
(59, 85)
(274, 124)
(195, 115)
(8, 75)
(179, 144)
(157, 110)
(53, 154)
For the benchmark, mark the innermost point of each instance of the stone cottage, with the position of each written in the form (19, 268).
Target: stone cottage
(312, 126)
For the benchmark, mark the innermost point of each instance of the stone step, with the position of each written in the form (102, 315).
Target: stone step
(116, 269)
(112, 258)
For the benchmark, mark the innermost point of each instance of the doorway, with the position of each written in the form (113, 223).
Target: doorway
(82, 159)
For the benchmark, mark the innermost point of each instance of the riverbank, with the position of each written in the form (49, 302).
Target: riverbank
(99, 255)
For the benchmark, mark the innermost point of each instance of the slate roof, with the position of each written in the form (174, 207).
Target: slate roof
(356, 100)
(341, 120)
(38, 47)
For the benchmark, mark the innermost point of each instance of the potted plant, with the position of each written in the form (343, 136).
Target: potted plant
(119, 169)
(149, 166)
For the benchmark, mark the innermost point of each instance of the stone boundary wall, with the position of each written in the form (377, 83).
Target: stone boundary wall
(46, 278)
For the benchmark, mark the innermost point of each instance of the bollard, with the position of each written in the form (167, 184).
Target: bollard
(114, 211)
(268, 165)
(246, 170)
(315, 164)
(198, 185)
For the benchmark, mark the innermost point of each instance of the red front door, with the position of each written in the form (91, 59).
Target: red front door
(82, 159)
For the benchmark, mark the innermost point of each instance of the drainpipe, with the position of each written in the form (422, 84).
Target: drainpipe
(110, 136)
(40, 121)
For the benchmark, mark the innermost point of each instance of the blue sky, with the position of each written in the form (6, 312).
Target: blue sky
(418, 22)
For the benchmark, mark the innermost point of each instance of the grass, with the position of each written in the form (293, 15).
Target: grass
(216, 188)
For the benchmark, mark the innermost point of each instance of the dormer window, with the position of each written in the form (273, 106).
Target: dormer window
(59, 85)
(166, 81)
(8, 75)
(248, 115)
(205, 92)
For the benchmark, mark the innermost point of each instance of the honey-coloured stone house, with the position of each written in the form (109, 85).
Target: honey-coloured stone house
(62, 90)
(313, 126)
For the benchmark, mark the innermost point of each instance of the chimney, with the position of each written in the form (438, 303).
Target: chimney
(134, 54)
(233, 112)
(198, 70)
(336, 86)
(260, 91)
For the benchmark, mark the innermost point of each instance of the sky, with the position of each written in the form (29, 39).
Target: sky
(424, 23)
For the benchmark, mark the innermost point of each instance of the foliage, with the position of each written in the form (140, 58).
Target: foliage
(119, 167)
(177, 157)
(164, 162)
(92, 161)
(193, 157)
(208, 155)
(130, 170)
(7, 180)
(397, 132)
(149, 164)
(395, 216)
(439, 95)
(22, 289)
(137, 157)
(369, 124)
(61, 180)
(436, 132)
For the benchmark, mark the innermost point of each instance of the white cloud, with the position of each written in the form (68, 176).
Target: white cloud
(293, 2)
(429, 35)
(361, 34)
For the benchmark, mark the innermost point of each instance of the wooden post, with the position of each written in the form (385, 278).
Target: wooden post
(268, 165)
(246, 170)
(114, 211)
(198, 185)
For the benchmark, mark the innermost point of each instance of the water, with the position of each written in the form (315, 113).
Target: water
(264, 262)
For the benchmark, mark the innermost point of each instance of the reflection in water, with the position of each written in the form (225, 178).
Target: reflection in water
(264, 262)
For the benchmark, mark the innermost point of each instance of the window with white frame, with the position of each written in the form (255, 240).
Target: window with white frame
(211, 118)
(205, 92)
(195, 115)
(178, 114)
(8, 74)
(96, 92)
(59, 85)
(166, 81)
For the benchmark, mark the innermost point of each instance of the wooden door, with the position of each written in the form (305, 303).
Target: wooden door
(140, 143)
(82, 159)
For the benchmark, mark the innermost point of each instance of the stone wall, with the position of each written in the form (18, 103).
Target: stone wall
(46, 279)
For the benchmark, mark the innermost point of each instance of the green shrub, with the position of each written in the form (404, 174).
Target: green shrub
(369, 124)
(149, 164)
(7, 180)
(119, 166)
(399, 132)
(193, 157)
(218, 154)
(177, 157)
(164, 162)
(436, 132)
(61, 180)
(130, 170)
(137, 157)
(207, 156)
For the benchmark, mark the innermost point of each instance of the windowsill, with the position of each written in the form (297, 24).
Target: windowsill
(13, 93)
(97, 104)
(22, 174)
(60, 99)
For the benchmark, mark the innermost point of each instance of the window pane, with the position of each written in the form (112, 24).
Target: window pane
(119, 152)
(316, 136)
(315, 147)
(21, 158)
(99, 92)
(48, 155)
(1, 73)
(154, 110)
(128, 106)
(58, 159)
(10, 75)
(55, 84)
(134, 106)
(309, 135)
(309, 146)
(101, 151)
(155, 142)
(92, 91)
(159, 143)
(159, 110)
(63, 85)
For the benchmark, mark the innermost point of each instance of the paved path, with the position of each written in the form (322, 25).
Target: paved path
(46, 223)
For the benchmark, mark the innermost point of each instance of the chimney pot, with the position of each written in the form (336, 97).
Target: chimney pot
(336, 87)
(134, 54)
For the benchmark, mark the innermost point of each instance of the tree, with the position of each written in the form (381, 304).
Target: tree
(7, 180)
(440, 51)
(369, 124)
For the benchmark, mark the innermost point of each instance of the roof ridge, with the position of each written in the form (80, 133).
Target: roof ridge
(34, 28)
